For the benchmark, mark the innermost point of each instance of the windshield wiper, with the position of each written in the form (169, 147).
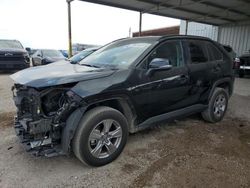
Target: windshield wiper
(89, 65)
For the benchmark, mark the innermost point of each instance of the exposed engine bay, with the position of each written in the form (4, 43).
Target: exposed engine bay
(41, 116)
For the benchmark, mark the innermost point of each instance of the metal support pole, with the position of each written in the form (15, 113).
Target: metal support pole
(69, 27)
(140, 23)
(186, 29)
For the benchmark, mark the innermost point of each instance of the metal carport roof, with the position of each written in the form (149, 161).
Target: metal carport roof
(215, 12)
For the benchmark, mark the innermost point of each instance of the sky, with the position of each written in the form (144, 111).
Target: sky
(43, 23)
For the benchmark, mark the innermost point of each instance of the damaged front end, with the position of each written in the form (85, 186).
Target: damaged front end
(41, 116)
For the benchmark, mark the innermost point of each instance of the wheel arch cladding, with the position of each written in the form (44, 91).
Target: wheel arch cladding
(120, 104)
(70, 128)
(225, 83)
(123, 105)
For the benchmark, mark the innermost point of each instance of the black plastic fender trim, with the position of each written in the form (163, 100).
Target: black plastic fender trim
(70, 128)
(228, 80)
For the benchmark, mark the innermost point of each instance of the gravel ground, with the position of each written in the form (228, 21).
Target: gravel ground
(6, 102)
(185, 153)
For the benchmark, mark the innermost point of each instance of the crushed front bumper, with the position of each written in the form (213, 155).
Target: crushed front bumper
(37, 147)
(41, 132)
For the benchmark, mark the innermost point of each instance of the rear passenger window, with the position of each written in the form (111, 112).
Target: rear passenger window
(214, 53)
(197, 52)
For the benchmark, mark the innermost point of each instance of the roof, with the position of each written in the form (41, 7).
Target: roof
(162, 38)
(215, 12)
(184, 37)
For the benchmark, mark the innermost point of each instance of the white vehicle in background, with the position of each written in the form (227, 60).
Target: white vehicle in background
(46, 56)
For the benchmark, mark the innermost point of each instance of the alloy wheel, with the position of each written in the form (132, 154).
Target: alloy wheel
(105, 138)
(219, 105)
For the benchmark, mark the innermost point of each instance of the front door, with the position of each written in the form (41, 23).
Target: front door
(163, 90)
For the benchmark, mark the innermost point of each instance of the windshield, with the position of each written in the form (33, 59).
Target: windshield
(52, 53)
(120, 54)
(10, 44)
(81, 55)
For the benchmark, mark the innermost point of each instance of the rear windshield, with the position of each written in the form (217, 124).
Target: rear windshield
(10, 44)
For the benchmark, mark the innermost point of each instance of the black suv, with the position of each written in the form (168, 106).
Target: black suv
(13, 56)
(128, 85)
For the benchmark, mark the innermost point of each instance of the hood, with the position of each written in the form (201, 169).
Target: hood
(12, 51)
(60, 62)
(57, 74)
(54, 59)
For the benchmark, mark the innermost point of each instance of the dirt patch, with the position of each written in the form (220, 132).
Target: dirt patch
(245, 139)
(129, 168)
(6, 119)
(199, 154)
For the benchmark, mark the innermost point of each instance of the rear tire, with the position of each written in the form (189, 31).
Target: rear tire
(217, 106)
(101, 136)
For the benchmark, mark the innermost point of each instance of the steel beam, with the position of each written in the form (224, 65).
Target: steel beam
(140, 24)
(69, 28)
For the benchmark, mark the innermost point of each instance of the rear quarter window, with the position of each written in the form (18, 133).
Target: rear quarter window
(214, 53)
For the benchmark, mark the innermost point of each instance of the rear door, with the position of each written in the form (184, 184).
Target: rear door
(198, 67)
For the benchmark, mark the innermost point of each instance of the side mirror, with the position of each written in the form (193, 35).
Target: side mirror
(73, 62)
(39, 55)
(28, 49)
(158, 64)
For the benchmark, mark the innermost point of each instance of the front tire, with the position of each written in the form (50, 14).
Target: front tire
(101, 136)
(217, 106)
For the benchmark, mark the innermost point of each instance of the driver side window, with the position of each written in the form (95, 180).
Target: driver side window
(171, 51)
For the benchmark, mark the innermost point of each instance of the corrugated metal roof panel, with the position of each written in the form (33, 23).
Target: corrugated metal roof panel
(198, 29)
(215, 12)
(238, 37)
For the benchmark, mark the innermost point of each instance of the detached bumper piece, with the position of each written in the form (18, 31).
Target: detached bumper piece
(43, 146)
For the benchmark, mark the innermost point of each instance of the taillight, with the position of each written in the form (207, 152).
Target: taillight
(236, 63)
